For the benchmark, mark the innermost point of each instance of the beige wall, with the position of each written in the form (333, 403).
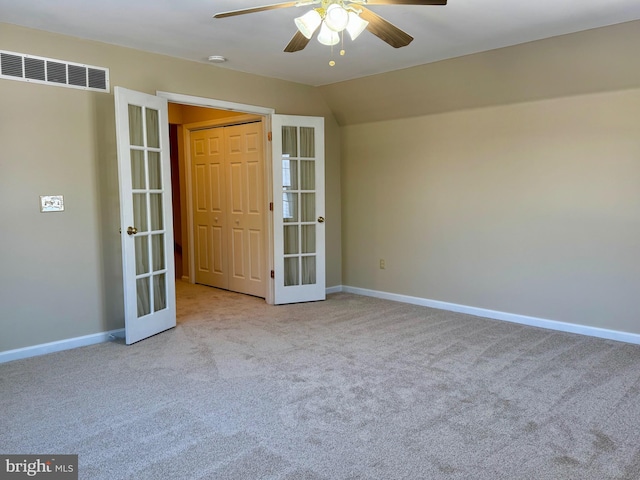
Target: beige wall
(60, 273)
(531, 208)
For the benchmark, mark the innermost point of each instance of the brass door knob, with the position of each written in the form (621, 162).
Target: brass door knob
(132, 230)
(320, 219)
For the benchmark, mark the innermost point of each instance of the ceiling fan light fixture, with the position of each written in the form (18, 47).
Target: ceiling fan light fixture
(308, 23)
(356, 25)
(328, 36)
(336, 17)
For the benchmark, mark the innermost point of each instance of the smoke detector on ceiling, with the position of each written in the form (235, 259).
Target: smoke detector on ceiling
(217, 59)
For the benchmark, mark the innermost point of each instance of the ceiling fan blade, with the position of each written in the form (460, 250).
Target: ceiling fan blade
(297, 43)
(401, 2)
(385, 30)
(233, 13)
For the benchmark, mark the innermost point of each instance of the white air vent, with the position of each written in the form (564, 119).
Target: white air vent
(29, 68)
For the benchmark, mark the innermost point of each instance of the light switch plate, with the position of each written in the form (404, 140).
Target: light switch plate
(51, 203)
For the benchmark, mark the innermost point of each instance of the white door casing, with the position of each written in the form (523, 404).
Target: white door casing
(142, 132)
(253, 110)
(298, 216)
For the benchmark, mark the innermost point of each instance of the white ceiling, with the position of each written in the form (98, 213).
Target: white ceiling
(254, 43)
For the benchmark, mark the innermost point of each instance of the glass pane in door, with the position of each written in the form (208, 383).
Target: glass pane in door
(155, 171)
(159, 292)
(144, 296)
(140, 212)
(155, 211)
(142, 254)
(290, 239)
(146, 165)
(308, 207)
(290, 141)
(307, 142)
(153, 128)
(138, 181)
(308, 239)
(157, 247)
(135, 126)
(290, 206)
(289, 174)
(291, 271)
(307, 175)
(308, 270)
(295, 176)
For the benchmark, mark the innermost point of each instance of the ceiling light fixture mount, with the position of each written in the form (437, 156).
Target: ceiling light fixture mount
(217, 59)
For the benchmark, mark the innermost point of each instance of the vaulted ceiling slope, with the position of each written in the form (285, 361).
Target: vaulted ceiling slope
(602, 59)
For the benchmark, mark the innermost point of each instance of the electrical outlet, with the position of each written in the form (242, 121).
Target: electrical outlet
(382, 264)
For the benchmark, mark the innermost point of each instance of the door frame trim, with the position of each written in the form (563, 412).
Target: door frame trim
(214, 103)
(265, 113)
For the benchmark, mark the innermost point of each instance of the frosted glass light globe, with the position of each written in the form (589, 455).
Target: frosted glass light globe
(336, 18)
(308, 23)
(327, 36)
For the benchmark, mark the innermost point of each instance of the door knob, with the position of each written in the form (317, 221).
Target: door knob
(320, 219)
(132, 230)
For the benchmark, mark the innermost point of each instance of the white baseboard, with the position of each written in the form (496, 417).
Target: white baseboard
(496, 315)
(336, 289)
(60, 345)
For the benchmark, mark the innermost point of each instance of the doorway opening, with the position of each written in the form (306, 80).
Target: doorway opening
(294, 237)
(220, 188)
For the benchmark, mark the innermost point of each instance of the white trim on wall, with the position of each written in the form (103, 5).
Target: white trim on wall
(496, 315)
(67, 344)
(265, 113)
(214, 103)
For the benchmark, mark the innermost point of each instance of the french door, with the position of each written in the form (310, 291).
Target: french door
(298, 216)
(142, 133)
(298, 223)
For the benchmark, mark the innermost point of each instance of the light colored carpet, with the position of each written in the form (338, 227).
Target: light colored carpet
(349, 388)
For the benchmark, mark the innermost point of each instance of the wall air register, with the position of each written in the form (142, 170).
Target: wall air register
(29, 68)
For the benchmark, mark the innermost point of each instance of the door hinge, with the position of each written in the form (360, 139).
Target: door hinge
(273, 274)
(270, 136)
(271, 206)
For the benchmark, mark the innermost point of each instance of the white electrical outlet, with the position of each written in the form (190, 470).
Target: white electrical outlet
(382, 264)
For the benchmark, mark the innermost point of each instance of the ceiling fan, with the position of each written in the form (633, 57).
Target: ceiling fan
(333, 17)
